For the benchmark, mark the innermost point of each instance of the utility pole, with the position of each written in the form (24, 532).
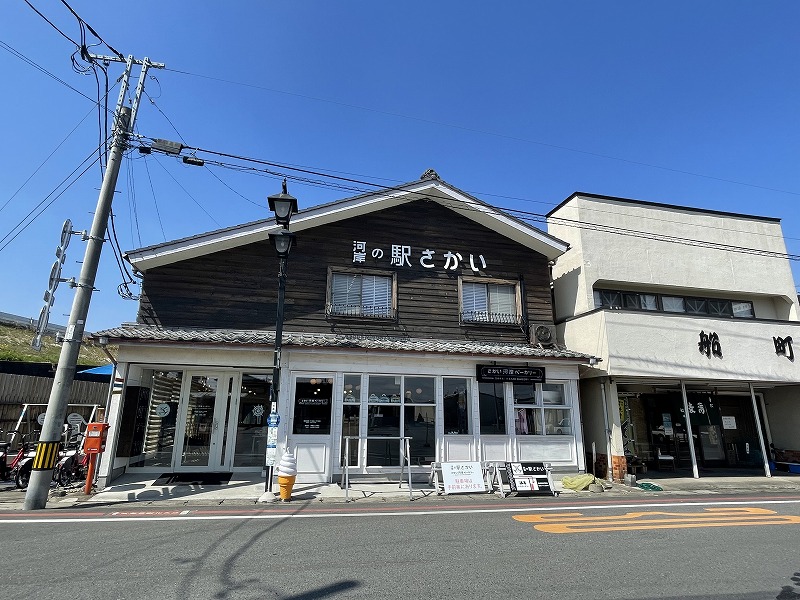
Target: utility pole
(47, 449)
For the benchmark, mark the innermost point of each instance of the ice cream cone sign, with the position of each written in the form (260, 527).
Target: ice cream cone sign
(287, 473)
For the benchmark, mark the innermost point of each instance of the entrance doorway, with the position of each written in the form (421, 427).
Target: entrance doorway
(203, 422)
(198, 421)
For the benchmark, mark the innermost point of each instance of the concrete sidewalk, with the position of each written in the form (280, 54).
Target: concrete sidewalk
(145, 491)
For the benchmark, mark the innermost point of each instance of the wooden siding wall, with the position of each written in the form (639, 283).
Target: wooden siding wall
(238, 288)
(16, 390)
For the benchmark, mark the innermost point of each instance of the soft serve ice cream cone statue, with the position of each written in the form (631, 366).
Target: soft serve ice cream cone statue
(287, 473)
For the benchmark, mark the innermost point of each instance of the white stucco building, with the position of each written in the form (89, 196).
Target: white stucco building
(689, 311)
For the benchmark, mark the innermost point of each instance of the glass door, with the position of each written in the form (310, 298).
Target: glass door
(203, 422)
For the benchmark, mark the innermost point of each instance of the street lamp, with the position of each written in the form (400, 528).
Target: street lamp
(284, 206)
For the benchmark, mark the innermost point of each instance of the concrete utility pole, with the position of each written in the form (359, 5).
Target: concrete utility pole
(47, 449)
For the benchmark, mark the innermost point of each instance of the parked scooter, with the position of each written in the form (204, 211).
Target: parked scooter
(24, 455)
(74, 464)
(23, 474)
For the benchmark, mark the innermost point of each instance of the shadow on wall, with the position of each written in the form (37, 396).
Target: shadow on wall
(567, 292)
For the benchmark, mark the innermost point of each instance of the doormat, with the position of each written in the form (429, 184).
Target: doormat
(193, 479)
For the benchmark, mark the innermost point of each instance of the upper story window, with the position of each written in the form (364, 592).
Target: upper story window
(490, 302)
(674, 304)
(357, 294)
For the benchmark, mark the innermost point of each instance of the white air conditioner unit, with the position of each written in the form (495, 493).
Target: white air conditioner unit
(543, 333)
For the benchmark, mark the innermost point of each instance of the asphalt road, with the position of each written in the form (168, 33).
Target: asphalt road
(703, 550)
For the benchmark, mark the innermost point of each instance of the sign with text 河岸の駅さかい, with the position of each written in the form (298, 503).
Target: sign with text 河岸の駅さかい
(528, 478)
(462, 477)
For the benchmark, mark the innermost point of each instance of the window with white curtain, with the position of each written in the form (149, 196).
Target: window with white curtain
(489, 303)
(361, 295)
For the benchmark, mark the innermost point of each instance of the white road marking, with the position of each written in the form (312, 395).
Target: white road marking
(405, 513)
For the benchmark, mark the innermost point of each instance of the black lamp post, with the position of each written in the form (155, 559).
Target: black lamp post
(284, 206)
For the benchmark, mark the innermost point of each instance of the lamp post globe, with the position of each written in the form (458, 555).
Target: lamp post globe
(284, 205)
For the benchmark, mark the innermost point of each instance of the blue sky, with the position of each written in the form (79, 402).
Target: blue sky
(519, 103)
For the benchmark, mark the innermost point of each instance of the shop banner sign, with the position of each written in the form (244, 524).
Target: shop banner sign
(501, 374)
(462, 477)
(528, 478)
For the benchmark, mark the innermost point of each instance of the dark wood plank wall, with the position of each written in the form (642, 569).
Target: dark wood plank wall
(238, 288)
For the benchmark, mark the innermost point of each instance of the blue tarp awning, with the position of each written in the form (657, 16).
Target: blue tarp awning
(101, 370)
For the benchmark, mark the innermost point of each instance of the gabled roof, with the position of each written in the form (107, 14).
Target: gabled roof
(429, 187)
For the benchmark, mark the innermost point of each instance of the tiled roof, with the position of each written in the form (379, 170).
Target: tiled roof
(151, 333)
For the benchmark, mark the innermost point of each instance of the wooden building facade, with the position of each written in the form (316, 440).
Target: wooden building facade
(407, 312)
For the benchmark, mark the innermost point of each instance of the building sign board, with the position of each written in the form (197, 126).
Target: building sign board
(728, 422)
(400, 255)
(501, 374)
(528, 478)
(462, 477)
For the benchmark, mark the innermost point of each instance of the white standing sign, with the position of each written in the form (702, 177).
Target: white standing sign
(462, 477)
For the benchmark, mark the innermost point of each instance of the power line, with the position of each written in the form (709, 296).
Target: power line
(492, 133)
(163, 114)
(188, 194)
(49, 156)
(52, 24)
(91, 30)
(22, 227)
(521, 214)
(155, 202)
(42, 69)
(381, 187)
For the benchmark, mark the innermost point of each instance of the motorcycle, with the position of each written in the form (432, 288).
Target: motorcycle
(18, 469)
(74, 464)
(68, 463)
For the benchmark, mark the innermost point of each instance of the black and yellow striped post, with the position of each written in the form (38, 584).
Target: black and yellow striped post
(46, 455)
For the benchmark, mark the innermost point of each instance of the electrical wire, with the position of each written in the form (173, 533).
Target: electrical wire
(381, 187)
(155, 202)
(49, 156)
(92, 31)
(134, 213)
(493, 134)
(22, 225)
(24, 58)
(526, 216)
(51, 23)
(175, 129)
(200, 206)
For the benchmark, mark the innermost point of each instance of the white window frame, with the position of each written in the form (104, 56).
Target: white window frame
(468, 282)
(362, 311)
(541, 408)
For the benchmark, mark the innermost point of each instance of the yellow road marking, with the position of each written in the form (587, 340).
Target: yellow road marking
(710, 517)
